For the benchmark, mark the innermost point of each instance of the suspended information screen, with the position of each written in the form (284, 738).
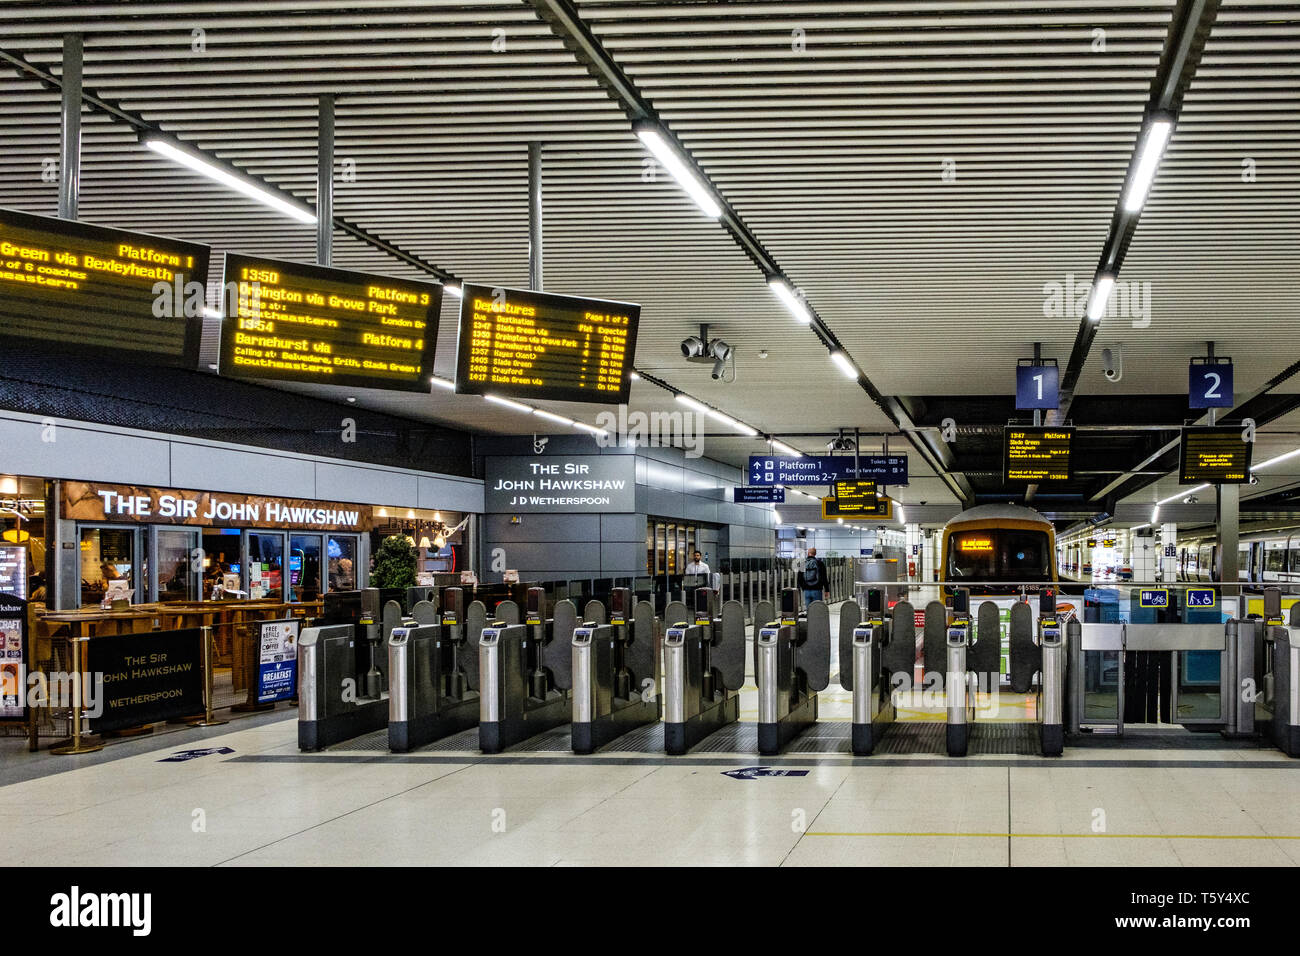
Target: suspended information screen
(855, 497)
(99, 291)
(1038, 454)
(1214, 454)
(536, 345)
(295, 322)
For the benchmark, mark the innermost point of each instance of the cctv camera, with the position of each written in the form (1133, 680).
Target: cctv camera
(1112, 363)
(719, 365)
(692, 346)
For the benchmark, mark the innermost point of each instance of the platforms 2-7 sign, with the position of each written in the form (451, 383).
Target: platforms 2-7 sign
(826, 469)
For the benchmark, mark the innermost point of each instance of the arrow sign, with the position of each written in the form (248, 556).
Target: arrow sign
(753, 773)
(191, 754)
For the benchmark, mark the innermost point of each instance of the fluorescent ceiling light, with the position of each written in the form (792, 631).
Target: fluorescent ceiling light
(1102, 286)
(1149, 153)
(510, 403)
(210, 313)
(692, 403)
(1155, 514)
(791, 301)
(664, 152)
(777, 515)
(1180, 496)
(634, 376)
(590, 428)
(845, 364)
(553, 417)
(785, 449)
(1274, 461)
(902, 515)
(731, 422)
(453, 288)
(442, 382)
(201, 164)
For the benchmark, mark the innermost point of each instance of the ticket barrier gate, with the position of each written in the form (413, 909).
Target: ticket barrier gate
(792, 660)
(704, 668)
(615, 673)
(525, 670)
(874, 645)
(433, 666)
(342, 683)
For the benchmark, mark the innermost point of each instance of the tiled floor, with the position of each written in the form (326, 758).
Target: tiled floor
(265, 803)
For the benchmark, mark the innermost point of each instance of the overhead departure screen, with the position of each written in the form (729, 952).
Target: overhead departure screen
(1037, 454)
(295, 322)
(883, 509)
(90, 289)
(537, 345)
(1214, 454)
(855, 497)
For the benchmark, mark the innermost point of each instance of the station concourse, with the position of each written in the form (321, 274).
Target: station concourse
(604, 433)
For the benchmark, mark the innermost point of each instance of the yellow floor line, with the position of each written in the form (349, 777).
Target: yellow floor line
(1065, 836)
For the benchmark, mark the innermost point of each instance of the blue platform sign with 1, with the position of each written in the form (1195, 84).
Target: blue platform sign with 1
(1209, 385)
(826, 469)
(1154, 597)
(1201, 597)
(1037, 386)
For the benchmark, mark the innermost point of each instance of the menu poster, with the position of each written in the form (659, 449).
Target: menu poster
(277, 677)
(13, 706)
(13, 571)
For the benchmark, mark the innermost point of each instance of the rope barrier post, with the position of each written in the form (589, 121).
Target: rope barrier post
(207, 720)
(78, 744)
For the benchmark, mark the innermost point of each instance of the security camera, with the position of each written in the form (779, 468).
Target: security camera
(1112, 363)
(720, 351)
(693, 347)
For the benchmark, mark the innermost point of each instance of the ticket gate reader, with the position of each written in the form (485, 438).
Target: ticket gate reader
(704, 668)
(792, 658)
(615, 673)
(958, 699)
(342, 684)
(524, 671)
(1051, 668)
(432, 693)
(865, 634)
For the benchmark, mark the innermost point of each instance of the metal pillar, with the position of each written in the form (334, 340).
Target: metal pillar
(325, 180)
(1228, 499)
(535, 216)
(1168, 552)
(70, 128)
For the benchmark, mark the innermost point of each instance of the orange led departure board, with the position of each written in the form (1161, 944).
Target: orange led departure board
(295, 322)
(76, 287)
(1038, 454)
(1214, 454)
(537, 345)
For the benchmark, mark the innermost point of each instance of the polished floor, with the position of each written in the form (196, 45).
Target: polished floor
(1164, 800)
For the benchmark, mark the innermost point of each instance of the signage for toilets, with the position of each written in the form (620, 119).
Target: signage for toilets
(826, 469)
(560, 484)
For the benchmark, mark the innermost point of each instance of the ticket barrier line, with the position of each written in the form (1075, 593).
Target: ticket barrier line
(432, 694)
(615, 674)
(791, 664)
(704, 668)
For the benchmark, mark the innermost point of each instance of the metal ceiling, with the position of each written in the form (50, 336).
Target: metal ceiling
(921, 170)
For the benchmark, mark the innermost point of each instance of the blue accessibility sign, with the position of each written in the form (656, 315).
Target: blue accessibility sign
(826, 469)
(753, 773)
(184, 755)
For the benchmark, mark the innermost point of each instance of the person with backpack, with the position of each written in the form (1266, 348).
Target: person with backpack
(813, 579)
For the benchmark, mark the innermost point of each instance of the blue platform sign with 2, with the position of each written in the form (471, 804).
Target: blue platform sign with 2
(1209, 385)
(1037, 386)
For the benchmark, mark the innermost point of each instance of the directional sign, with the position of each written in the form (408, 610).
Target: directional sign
(741, 495)
(1202, 597)
(184, 755)
(825, 469)
(753, 773)
(1154, 597)
(1037, 386)
(1209, 384)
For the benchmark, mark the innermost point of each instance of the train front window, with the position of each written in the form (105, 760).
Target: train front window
(999, 555)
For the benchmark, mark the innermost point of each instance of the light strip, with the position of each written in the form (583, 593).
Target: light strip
(453, 288)
(510, 403)
(791, 301)
(731, 422)
(553, 417)
(590, 428)
(785, 449)
(1102, 286)
(442, 383)
(845, 364)
(1155, 514)
(663, 151)
(200, 164)
(1144, 173)
(692, 403)
(902, 515)
(1180, 495)
(1274, 461)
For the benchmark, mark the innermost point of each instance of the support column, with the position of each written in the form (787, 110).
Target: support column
(70, 128)
(1228, 523)
(929, 564)
(325, 180)
(535, 216)
(1144, 558)
(1168, 552)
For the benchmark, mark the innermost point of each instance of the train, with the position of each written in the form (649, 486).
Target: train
(1263, 557)
(998, 543)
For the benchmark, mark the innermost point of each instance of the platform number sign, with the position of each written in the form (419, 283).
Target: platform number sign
(1201, 597)
(1209, 385)
(1037, 386)
(1154, 597)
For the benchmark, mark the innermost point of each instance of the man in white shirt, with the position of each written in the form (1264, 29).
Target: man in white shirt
(697, 565)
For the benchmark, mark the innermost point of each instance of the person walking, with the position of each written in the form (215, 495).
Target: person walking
(813, 579)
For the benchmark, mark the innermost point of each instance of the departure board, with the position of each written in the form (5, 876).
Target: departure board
(1214, 454)
(295, 322)
(75, 287)
(537, 345)
(855, 497)
(1037, 454)
(882, 510)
